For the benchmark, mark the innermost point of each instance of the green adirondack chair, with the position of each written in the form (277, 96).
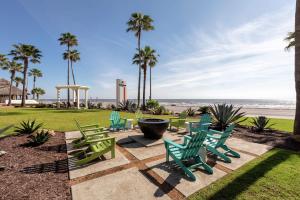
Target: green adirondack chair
(178, 121)
(187, 151)
(216, 140)
(116, 122)
(203, 124)
(96, 150)
(90, 134)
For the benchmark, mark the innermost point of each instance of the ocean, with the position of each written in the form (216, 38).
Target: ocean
(246, 103)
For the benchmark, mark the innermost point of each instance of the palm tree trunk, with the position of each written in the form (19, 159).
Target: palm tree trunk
(10, 86)
(297, 69)
(34, 79)
(144, 86)
(73, 73)
(24, 90)
(140, 70)
(68, 82)
(150, 96)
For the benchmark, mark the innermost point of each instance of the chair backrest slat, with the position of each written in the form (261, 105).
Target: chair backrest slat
(225, 135)
(115, 116)
(194, 144)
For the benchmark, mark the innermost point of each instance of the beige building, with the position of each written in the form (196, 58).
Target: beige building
(16, 93)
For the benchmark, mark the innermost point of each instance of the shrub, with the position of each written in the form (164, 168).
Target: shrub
(204, 109)
(125, 105)
(28, 127)
(152, 104)
(226, 114)
(99, 105)
(160, 110)
(39, 137)
(190, 112)
(261, 123)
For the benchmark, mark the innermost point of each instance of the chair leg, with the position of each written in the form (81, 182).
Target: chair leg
(188, 172)
(230, 151)
(204, 165)
(216, 152)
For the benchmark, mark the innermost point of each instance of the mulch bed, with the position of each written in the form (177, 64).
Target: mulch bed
(273, 138)
(34, 172)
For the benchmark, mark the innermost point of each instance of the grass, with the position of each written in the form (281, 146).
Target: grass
(62, 120)
(59, 120)
(279, 124)
(275, 175)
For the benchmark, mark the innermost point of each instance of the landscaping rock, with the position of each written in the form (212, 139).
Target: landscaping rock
(2, 153)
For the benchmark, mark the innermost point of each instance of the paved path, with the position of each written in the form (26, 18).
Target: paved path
(139, 170)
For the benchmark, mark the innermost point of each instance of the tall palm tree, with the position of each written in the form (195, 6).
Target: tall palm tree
(36, 73)
(145, 57)
(293, 41)
(69, 40)
(73, 56)
(12, 67)
(137, 23)
(151, 65)
(26, 53)
(3, 60)
(18, 80)
(38, 92)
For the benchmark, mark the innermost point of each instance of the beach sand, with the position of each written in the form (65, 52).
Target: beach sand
(251, 112)
(268, 112)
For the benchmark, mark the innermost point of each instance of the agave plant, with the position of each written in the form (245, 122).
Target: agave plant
(127, 105)
(160, 110)
(28, 127)
(39, 138)
(190, 112)
(224, 115)
(261, 123)
(204, 109)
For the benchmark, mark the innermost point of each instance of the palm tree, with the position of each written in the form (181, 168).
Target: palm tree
(137, 23)
(12, 67)
(293, 41)
(69, 40)
(145, 57)
(3, 60)
(73, 56)
(38, 92)
(151, 65)
(26, 53)
(18, 80)
(36, 73)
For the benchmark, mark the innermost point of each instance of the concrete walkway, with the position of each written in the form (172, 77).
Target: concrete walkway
(139, 170)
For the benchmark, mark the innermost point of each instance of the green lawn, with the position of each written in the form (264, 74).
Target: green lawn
(59, 120)
(62, 120)
(275, 175)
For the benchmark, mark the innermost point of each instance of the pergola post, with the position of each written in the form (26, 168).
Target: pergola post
(58, 97)
(74, 96)
(86, 98)
(78, 98)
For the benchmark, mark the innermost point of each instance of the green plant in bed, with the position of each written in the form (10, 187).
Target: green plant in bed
(28, 127)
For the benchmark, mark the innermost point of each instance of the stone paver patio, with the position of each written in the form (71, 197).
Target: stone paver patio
(139, 170)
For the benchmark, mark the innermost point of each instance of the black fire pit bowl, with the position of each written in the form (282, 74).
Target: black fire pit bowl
(153, 128)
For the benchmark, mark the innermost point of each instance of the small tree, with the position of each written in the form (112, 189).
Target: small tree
(38, 92)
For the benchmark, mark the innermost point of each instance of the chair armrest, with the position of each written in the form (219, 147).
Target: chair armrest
(170, 142)
(186, 138)
(214, 136)
(211, 131)
(90, 125)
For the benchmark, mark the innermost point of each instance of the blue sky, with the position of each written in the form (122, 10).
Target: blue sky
(208, 49)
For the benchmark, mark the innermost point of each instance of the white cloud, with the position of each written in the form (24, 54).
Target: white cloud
(248, 61)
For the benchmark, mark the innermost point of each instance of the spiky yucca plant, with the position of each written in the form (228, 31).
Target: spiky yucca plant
(190, 112)
(28, 127)
(261, 123)
(39, 138)
(224, 115)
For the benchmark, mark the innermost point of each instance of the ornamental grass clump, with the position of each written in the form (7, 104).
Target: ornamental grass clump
(261, 123)
(224, 115)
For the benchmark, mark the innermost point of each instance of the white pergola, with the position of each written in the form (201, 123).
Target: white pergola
(76, 93)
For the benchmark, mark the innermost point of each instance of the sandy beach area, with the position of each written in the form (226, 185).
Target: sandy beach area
(268, 112)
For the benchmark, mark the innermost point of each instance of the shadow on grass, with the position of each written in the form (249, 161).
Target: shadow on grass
(245, 180)
(11, 113)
